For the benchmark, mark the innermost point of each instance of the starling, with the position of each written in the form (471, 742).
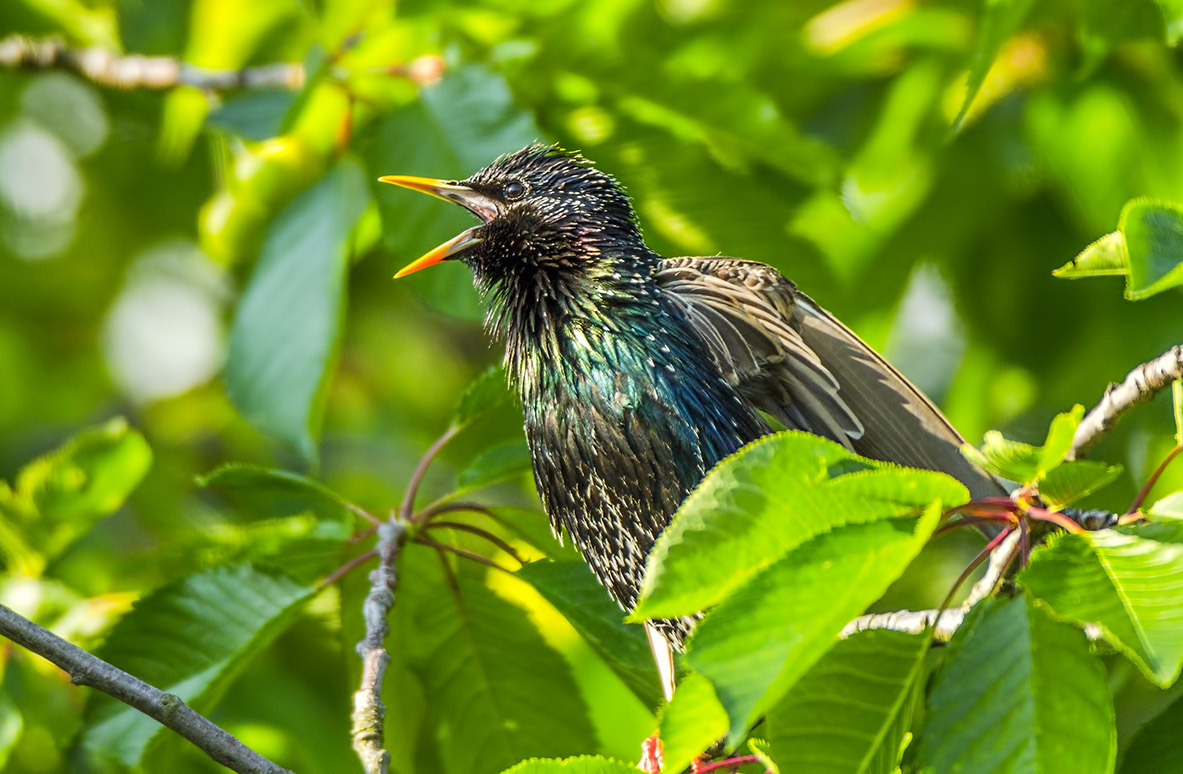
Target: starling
(637, 373)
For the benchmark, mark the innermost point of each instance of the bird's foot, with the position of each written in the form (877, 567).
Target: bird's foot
(651, 751)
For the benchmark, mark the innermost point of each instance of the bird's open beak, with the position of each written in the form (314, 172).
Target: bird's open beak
(475, 202)
(457, 244)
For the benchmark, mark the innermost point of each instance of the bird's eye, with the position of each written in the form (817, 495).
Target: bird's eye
(514, 190)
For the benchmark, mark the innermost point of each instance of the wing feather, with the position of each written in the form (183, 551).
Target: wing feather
(798, 363)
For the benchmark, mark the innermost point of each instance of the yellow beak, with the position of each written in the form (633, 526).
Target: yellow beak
(484, 207)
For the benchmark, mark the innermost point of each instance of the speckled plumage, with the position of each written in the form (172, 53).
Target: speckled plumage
(638, 373)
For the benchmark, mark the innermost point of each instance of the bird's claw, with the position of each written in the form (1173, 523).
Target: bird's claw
(651, 755)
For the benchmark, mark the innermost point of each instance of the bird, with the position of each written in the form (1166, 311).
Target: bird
(638, 373)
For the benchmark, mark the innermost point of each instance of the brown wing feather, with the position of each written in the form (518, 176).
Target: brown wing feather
(744, 311)
(798, 363)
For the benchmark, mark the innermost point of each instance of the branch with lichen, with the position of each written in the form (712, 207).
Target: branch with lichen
(369, 713)
(1139, 386)
(167, 709)
(134, 71)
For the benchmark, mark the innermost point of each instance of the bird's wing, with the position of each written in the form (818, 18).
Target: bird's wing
(794, 360)
(745, 312)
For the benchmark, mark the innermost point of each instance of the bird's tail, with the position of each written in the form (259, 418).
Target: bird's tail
(900, 424)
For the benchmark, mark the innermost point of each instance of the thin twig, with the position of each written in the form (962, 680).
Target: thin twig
(943, 622)
(1140, 385)
(482, 533)
(406, 511)
(460, 552)
(1150, 482)
(166, 708)
(345, 569)
(730, 763)
(369, 714)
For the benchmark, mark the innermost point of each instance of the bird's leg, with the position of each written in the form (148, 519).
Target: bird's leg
(663, 657)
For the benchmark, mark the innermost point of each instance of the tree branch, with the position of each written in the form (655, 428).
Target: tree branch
(133, 71)
(945, 622)
(369, 714)
(167, 709)
(1140, 385)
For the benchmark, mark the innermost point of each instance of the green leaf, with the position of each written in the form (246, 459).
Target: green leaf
(1013, 460)
(1154, 239)
(498, 463)
(288, 323)
(850, 713)
(1155, 747)
(692, 722)
(1021, 461)
(487, 392)
(584, 764)
(761, 750)
(1059, 439)
(1169, 507)
(253, 115)
(574, 592)
(189, 638)
(1120, 581)
(766, 500)
(259, 493)
(284, 519)
(1000, 20)
(759, 641)
(499, 690)
(1018, 692)
(1075, 480)
(57, 498)
(1106, 257)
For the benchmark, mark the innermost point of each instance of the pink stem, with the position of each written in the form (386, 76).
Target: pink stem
(417, 477)
(1150, 482)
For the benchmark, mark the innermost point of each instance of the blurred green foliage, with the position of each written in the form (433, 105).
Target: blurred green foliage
(919, 168)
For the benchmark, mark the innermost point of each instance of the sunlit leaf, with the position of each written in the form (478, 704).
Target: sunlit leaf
(288, 323)
(692, 722)
(999, 20)
(189, 638)
(58, 498)
(584, 764)
(1018, 692)
(574, 591)
(1118, 580)
(1103, 258)
(760, 640)
(850, 713)
(1169, 507)
(761, 503)
(1023, 462)
(500, 691)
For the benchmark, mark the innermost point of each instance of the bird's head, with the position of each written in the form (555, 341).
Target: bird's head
(542, 209)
